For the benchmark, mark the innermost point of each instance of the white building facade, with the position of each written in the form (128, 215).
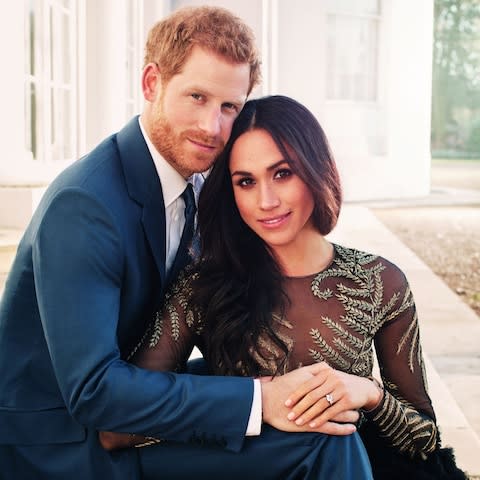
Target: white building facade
(363, 67)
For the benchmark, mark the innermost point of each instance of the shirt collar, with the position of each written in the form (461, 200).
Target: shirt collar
(173, 184)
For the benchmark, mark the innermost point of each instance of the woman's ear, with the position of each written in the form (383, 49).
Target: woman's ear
(151, 81)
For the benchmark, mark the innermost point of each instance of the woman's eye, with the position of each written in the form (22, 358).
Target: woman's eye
(282, 173)
(245, 182)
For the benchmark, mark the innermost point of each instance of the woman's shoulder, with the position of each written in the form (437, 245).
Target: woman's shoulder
(361, 260)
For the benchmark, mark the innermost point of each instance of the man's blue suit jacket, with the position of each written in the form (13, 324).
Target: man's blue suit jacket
(88, 274)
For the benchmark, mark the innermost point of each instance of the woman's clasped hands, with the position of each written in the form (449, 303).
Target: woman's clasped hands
(332, 395)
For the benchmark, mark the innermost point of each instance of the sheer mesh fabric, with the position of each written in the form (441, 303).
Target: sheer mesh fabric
(360, 304)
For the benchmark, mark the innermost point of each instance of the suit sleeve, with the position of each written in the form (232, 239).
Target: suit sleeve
(78, 258)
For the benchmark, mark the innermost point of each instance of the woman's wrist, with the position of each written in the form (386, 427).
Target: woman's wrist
(376, 398)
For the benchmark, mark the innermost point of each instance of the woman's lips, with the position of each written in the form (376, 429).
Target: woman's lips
(273, 222)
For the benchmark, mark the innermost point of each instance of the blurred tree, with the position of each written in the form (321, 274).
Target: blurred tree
(456, 74)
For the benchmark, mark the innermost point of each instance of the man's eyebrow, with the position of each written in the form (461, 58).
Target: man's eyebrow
(238, 101)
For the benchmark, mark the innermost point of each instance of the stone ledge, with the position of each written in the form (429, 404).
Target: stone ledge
(9, 239)
(448, 329)
(3, 278)
(454, 427)
(17, 204)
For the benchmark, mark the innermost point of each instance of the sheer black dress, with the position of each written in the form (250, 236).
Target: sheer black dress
(359, 307)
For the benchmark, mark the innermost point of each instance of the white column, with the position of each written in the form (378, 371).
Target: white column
(409, 93)
(14, 160)
(105, 75)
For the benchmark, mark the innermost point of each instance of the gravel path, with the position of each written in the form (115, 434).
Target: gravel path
(446, 238)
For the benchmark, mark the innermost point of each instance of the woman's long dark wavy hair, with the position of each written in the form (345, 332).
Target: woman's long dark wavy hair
(239, 285)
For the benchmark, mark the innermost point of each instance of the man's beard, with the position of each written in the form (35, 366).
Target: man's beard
(172, 146)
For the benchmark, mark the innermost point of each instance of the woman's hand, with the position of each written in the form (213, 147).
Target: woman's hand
(274, 410)
(331, 395)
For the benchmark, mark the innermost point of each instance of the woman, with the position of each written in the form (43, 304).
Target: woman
(271, 293)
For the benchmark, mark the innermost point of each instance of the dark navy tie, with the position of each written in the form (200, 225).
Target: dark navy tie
(182, 257)
(190, 210)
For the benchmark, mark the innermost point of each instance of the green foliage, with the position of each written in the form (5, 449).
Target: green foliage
(456, 75)
(473, 141)
(454, 155)
(456, 48)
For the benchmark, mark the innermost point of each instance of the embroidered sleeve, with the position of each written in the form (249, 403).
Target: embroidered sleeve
(405, 417)
(171, 336)
(361, 299)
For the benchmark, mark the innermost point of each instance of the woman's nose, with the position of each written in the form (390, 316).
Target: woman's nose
(268, 197)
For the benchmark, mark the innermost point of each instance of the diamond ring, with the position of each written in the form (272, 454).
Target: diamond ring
(329, 398)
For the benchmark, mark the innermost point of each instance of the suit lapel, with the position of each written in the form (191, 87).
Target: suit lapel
(145, 188)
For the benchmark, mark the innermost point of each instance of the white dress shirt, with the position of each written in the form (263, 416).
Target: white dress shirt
(173, 185)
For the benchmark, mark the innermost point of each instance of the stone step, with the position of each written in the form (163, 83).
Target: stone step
(450, 333)
(3, 279)
(9, 239)
(455, 429)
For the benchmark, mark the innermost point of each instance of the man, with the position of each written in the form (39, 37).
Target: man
(92, 268)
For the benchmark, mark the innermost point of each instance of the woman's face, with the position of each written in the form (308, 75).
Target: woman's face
(272, 200)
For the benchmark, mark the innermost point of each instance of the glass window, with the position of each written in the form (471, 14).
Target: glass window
(352, 49)
(50, 79)
(369, 7)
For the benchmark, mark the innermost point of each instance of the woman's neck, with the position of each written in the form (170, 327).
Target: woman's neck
(311, 256)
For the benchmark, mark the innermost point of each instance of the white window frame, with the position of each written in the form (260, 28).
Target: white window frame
(56, 129)
(345, 73)
(134, 47)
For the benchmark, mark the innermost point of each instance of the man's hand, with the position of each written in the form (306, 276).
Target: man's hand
(275, 412)
(114, 441)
